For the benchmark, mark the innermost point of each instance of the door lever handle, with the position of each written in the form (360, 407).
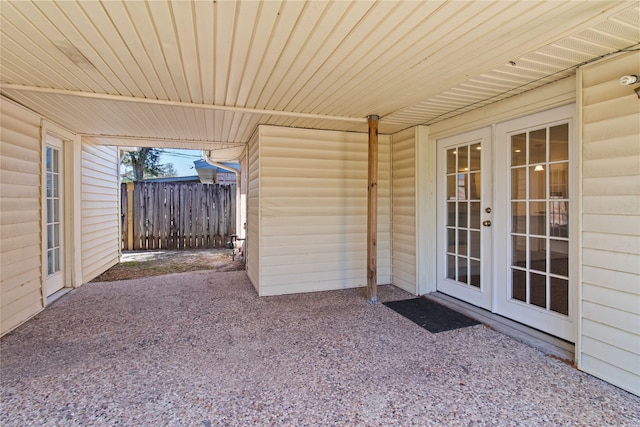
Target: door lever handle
(486, 223)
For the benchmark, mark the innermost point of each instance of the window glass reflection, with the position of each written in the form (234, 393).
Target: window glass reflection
(519, 149)
(538, 290)
(475, 151)
(538, 254)
(451, 187)
(474, 215)
(538, 218)
(474, 244)
(463, 159)
(518, 285)
(462, 214)
(518, 183)
(559, 296)
(474, 276)
(451, 160)
(559, 143)
(559, 257)
(474, 186)
(451, 240)
(462, 270)
(451, 214)
(519, 251)
(537, 146)
(451, 267)
(537, 184)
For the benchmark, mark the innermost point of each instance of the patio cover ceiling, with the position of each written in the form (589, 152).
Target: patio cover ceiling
(204, 74)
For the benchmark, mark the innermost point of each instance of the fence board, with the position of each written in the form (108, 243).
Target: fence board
(172, 218)
(179, 215)
(139, 215)
(215, 214)
(124, 217)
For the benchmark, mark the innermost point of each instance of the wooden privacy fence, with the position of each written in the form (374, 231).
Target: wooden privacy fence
(164, 215)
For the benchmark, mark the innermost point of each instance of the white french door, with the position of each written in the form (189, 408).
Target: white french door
(536, 278)
(54, 214)
(464, 217)
(505, 220)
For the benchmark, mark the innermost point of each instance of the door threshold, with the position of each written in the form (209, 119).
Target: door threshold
(542, 341)
(57, 295)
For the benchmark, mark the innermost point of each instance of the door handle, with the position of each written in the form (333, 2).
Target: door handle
(486, 223)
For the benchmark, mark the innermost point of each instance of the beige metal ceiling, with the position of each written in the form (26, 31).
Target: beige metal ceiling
(192, 74)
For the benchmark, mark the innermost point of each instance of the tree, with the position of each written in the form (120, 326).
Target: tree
(145, 163)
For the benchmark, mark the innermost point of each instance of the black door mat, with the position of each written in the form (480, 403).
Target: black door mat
(430, 315)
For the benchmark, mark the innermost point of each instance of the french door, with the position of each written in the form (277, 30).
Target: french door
(506, 244)
(54, 214)
(464, 217)
(537, 207)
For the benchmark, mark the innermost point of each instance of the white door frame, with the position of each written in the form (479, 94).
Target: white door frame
(71, 153)
(57, 280)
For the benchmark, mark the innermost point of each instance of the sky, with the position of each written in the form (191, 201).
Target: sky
(182, 160)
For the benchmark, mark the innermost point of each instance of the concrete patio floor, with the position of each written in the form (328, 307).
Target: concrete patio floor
(202, 349)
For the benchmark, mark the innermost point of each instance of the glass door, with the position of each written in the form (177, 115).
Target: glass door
(54, 215)
(464, 217)
(534, 283)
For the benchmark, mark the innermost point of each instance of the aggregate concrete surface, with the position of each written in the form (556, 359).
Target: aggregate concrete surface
(202, 349)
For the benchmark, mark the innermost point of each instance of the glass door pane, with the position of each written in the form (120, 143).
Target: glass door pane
(53, 210)
(539, 172)
(463, 178)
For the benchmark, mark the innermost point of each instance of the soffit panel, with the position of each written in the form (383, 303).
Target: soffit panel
(410, 62)
(550, 63)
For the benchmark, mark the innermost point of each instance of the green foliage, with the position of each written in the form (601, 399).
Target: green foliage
(145, 163)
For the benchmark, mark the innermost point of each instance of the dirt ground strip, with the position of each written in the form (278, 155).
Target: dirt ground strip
(137, 264)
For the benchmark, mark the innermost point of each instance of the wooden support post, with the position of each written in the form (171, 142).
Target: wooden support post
(130, 190)
(372, 212)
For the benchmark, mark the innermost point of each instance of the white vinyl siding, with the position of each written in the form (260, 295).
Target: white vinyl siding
(253, 216)
(610, 285)
(404, 210)
(313, 210)
(20, 223)
(100, 210)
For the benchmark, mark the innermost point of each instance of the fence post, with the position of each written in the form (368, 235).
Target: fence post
(130, 190)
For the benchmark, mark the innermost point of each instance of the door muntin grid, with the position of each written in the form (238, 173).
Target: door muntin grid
(53, 214)
(539, 229)
(463, 205)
